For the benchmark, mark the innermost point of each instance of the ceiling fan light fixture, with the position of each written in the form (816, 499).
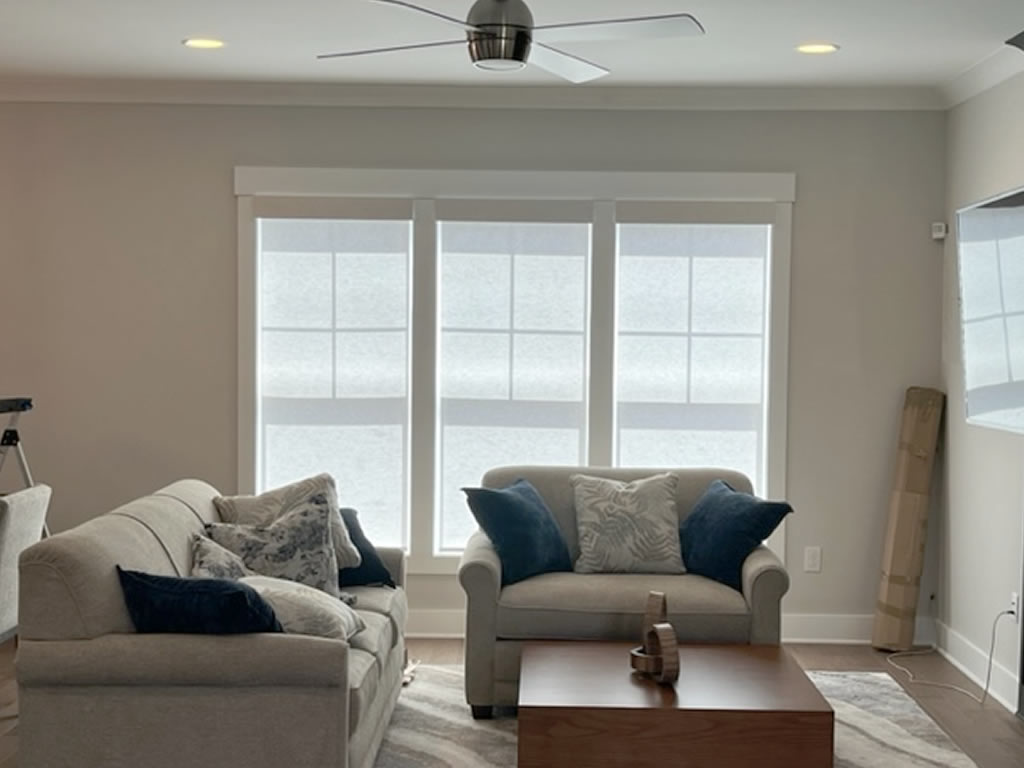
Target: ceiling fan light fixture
(504, 51)
(501, 36)
(499, 65)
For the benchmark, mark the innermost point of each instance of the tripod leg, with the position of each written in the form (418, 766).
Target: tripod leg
(25, 472)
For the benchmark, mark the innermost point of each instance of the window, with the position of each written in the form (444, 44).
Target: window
(407, 345)
(333, 362)
(691, 336)
(513, 371)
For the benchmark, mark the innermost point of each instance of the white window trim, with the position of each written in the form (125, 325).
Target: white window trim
(263, 189)
(526, 185)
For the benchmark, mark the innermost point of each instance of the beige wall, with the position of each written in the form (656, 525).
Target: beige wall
(981, 524)
(122, 223)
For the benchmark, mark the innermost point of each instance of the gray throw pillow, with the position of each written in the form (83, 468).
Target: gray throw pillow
(295, 546)
(212, 561)
(627, 527)
(268, 507)
(306, 611)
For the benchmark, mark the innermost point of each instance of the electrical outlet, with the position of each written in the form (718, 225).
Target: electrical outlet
(1015, 606)
(812, 559)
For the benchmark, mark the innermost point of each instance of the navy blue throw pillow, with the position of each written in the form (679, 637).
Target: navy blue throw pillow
(194, 606)
(522, 528)
(724, 527)
(371, 571)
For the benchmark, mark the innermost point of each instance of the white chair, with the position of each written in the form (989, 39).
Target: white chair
(22, 515)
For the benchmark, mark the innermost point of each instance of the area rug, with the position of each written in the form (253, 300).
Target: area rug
(877, 726)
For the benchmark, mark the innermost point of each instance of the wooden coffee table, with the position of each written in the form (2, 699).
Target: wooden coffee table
(581, 705)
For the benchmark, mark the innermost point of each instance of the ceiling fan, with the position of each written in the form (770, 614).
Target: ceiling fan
(502, 37)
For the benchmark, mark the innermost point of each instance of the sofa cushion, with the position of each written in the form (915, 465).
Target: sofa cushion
(68, 585)
(167, 604)
(270, 505)
(393, 603)
(173, 530)
(194, 495)
(377, 636)
(522, 529)
(575, 606)
(724, 527)
(627, 527)
(363, 682)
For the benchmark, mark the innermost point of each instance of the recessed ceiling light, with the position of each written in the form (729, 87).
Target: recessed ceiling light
(818, 48)
(206, 43)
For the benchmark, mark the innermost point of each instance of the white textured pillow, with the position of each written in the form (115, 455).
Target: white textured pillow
(295, 546)
(627, 527)
(212, 561)
(268, 507)
(303, 610)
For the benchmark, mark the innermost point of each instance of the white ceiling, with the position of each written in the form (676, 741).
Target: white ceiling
(909, 43)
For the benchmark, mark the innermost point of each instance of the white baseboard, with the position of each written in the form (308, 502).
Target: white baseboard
(972, 661)
(850, 629)
(844, 628)
(439, 623)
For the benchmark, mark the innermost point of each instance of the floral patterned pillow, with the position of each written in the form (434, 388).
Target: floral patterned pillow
(296, 546)
(269, 506)
(212, 561)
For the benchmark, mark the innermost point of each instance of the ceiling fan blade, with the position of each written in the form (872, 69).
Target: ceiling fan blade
(415, 46)
(569, 67)
(436, 14)
(639, 28)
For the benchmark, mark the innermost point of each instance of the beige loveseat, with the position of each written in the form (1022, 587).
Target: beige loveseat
(94, 693)
(572, 606)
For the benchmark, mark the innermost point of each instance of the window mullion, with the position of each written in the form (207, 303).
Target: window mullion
(601, 399)
(423, 505)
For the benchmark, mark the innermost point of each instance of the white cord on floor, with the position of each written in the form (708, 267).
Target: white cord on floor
(988, 673)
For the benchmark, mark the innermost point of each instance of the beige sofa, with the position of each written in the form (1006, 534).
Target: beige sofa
(94, 693)
(572, 606)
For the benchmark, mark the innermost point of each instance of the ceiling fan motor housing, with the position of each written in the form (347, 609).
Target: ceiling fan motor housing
(503, 35)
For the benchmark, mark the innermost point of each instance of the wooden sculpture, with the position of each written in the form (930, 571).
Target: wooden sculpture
(658, 657)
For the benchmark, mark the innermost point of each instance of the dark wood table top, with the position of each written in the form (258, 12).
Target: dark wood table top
(711, 678)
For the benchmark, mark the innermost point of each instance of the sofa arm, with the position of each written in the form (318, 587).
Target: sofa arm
(394, 561)
(480, 577)
(230, 661)
(765, 581)
(480, 568)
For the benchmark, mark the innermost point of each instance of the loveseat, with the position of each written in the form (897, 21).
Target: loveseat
(92, 692)
(600, 606)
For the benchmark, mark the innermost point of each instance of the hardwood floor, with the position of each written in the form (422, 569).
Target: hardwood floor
(990, 735)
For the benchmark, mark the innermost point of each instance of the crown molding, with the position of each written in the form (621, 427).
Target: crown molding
(71, 90)
(1002, 65)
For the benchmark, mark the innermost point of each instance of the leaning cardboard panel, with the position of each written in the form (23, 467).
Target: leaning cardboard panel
(903, 554)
